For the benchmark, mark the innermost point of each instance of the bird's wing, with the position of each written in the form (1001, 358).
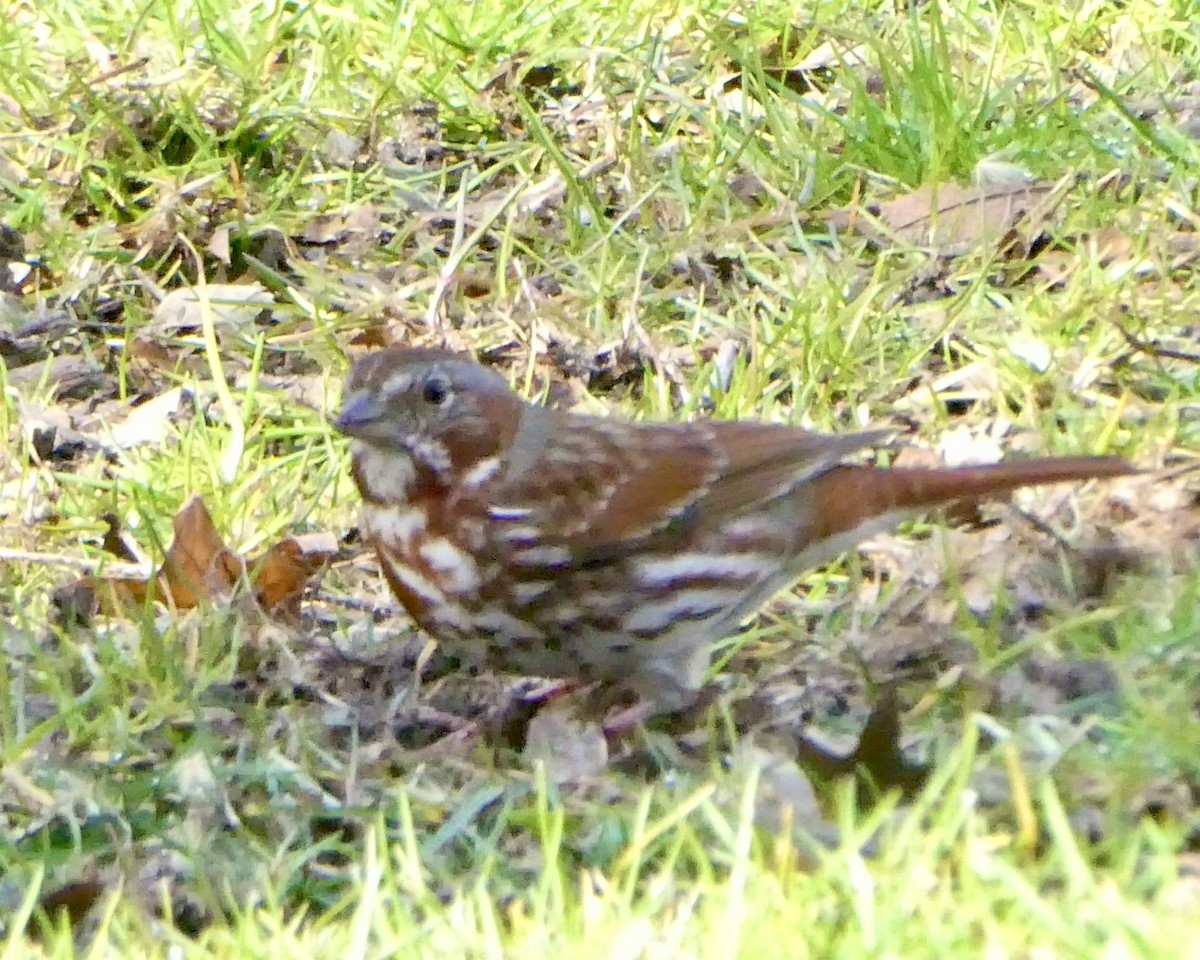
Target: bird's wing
(599, 487)
(764, 461)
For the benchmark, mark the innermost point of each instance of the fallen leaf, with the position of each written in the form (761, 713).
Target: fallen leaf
(68, 376)
(199, 566)
(145, 423)
(232, 304)
(282, 573)
(954, 220)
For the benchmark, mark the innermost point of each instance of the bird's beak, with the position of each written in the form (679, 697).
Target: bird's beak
(359, 413)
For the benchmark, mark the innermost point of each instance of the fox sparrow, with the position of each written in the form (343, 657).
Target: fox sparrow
(559, 545)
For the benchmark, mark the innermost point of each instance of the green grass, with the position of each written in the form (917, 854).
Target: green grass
(648, 188)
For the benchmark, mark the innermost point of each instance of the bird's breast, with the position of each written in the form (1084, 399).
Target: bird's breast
(382, 476)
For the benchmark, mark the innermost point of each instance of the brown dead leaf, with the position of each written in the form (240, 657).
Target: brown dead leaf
(198, 567)
(283, 572)
(954, 220)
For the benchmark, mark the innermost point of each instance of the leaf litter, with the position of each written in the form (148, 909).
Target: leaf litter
(198, 567)
(368, 694)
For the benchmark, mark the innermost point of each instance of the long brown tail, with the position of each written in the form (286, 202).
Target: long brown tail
(849, 496)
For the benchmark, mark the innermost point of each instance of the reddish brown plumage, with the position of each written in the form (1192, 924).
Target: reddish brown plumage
(879, 491)
(549, 543)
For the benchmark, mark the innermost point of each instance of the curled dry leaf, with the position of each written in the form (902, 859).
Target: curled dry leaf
(280, 575)
(199, 566)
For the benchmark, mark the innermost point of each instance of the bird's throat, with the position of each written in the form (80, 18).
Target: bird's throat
(382, 476)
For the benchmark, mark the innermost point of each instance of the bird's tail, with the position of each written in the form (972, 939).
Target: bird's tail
(847, 497)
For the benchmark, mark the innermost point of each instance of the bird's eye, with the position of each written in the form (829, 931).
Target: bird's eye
(436, 392)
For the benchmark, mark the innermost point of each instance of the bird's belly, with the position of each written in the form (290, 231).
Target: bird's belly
(437, 581)
(519, 605)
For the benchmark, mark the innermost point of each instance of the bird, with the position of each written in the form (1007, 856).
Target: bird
(591, 549)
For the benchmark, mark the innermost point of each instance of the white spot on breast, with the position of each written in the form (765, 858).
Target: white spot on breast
(688, 566)
(520, 535)
(481, 473)
(396, 525)
(686, 604)
(543, 556)
(387, 475)
(499, 512)
(527, 592)
(416, 582)
(455, 568)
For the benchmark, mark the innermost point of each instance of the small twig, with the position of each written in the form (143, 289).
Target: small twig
(116, 568)
(118, 71)
(355, 603)
(1041, 526)
(1154, 350)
